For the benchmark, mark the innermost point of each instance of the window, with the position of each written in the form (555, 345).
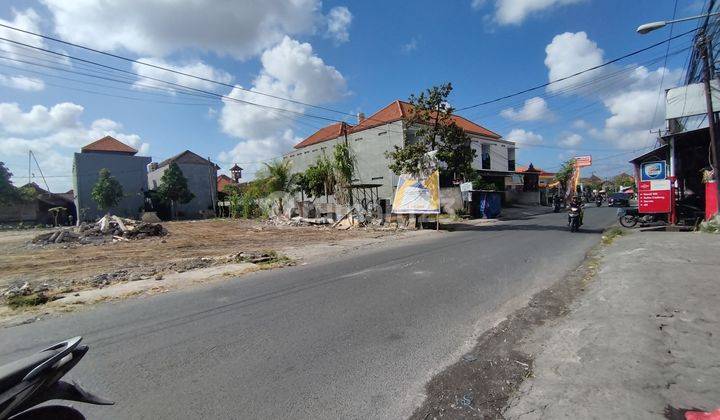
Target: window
(375, 178)
(358, 139)
(382, 132)
(154, 183)
(485, 154)
(511, 159)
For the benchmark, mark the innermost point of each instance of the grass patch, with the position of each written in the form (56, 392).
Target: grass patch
(35, 299)
(274, 260)
(610, 235)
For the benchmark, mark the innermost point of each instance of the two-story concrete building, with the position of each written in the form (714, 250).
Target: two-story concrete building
(371, 137)
(119, 158)
(201, 175)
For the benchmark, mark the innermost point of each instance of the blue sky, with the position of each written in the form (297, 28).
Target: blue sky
(346, 56)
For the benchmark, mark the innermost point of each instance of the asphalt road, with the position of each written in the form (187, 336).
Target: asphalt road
(357, 336)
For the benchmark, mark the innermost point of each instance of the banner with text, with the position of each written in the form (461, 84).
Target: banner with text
(418, 196)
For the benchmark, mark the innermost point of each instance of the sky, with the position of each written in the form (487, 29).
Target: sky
(308, 63)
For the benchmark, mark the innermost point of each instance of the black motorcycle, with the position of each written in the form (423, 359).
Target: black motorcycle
(29, 382)
(556, 204)
(598, 201)
(629, 218)
(574, 218)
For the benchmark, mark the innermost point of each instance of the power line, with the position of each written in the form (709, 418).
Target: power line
(540, 86)
(300, 102)
(119, 57)
(171, 83)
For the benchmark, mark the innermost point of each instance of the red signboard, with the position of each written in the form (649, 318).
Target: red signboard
(654, 196)
(583, 161)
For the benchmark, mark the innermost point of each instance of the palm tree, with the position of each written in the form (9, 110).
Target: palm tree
(278, 179)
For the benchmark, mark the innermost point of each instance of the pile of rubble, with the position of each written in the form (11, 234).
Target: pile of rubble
(107, 229)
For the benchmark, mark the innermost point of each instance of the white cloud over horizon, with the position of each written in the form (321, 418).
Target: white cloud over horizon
(290, 69)
(515, 12)
(29, 84)
(635, 106)
(534, 109)
(195, 68)
(53, 134)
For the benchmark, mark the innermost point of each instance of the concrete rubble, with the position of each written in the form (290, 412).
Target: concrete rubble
(107, 229)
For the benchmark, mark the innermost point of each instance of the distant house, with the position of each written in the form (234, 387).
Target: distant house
(120, 160)
(202, 182)
(37, 211)
(224, 180)
(371, 137)
(544, 178)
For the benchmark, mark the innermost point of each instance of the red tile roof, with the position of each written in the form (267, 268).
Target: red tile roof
(522, 169)
(330, 132)
(108, 144)
(223, 180)
(396, 111)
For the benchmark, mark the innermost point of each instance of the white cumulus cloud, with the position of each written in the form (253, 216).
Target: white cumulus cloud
(29, 84)
(27, 20)
(158, 28)
(514, 12)
(289, 70)
(533, 109)
(570, 140)
(195, 68)
(53, 134)
(635, 106)
(569, 53)
(338, 24)
(524, 137)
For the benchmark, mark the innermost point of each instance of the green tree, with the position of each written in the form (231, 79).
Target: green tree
(320, 177)
(230, 189)
(434, 129)
(302, 186)
(344, 164)
(107, 191)
(563, 175)
(278, 179)
(173, 188)
(8, 192)
(248, 199)
(624, 180)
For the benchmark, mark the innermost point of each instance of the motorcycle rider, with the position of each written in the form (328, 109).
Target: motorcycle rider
(576, 201)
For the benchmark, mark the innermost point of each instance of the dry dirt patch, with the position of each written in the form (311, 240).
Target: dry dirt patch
(74, 266)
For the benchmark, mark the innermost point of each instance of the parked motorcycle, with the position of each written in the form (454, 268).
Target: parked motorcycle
(598, 201)
(574, 218)
(556, 204)
(631, 217)
(29, 382)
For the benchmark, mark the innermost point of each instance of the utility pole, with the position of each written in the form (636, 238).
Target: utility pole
(705, 50)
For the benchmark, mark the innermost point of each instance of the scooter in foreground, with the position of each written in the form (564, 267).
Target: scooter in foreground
(29, 382)
(574, 218)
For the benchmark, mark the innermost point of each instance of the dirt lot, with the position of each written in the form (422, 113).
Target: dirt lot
(184, 248)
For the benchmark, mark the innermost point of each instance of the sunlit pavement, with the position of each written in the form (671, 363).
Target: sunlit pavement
(357, 336)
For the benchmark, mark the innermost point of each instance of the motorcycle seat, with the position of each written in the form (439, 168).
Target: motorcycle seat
(12, 373)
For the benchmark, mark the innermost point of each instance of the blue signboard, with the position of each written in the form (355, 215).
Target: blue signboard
(651, 171)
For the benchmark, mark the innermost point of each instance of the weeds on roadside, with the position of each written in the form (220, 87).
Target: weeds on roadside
(35, 299)
(610, 235)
